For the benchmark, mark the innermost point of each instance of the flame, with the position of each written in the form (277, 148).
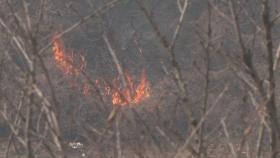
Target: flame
(63, 60)
(131, 94)
(72, 65)
(143, 89)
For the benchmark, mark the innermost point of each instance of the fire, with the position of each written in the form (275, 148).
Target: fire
(72, 65)
(143, 89)
(62, 59)
(131, 93)
(65, 61)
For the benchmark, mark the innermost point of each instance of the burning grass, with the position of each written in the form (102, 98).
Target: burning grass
(130, 94)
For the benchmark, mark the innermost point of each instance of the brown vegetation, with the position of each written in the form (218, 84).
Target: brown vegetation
(139, 78)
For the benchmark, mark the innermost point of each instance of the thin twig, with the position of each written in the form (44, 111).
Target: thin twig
(84, 19)
(230, 144)
(188, 140)
(118, 137)
(259, 141)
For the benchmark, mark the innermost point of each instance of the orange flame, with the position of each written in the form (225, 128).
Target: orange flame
(62, 59)
(122, 96)
(65, 61)
(131, 94)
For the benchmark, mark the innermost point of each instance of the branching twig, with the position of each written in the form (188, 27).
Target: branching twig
(203, 118)
(230, 144)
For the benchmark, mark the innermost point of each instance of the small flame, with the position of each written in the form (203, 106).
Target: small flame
(131, 94)
(65, 61)
(143, 89)
(62, 59)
